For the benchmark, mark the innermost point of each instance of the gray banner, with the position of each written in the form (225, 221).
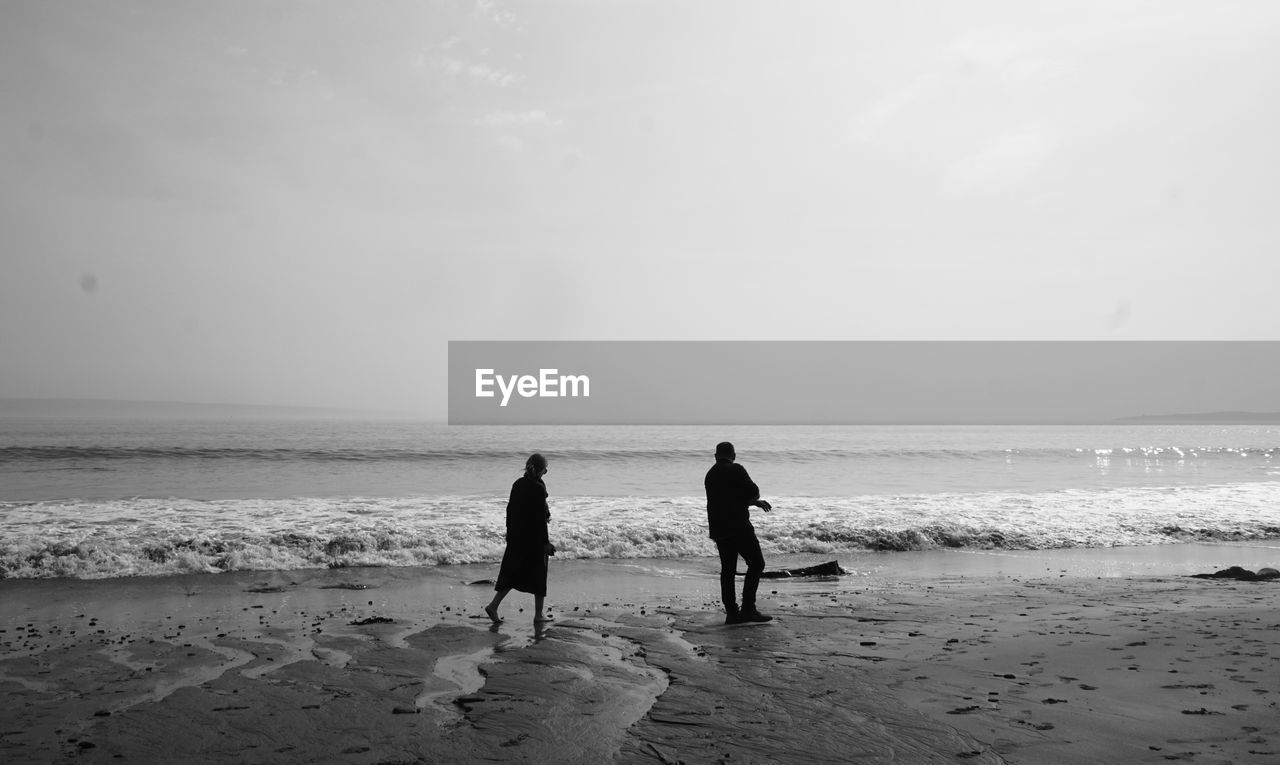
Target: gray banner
(819, 382)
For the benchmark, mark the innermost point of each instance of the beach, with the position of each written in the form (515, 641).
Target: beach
(313, 316)
(1040, 657)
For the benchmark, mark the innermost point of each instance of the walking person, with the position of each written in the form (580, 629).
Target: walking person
(730, 496)
(524, 562)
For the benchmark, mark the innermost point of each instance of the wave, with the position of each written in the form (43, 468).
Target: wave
(92, 557)
(153, 537)
(278, 454)
(38, 454)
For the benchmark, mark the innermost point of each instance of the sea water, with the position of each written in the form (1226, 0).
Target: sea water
(102, 497)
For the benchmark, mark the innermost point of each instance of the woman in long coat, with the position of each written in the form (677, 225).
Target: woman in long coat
(524, 563)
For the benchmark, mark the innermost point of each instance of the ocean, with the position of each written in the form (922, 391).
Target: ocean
(98, 498)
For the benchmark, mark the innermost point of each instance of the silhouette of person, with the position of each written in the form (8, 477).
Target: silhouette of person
(730, 495)
(524, 562)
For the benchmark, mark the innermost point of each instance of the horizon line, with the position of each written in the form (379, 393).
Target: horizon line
(1212, 417)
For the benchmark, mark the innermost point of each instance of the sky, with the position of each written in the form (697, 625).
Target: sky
(290, 203)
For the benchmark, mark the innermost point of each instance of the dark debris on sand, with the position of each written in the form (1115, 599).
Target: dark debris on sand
(373, 620)
(1242, 574)
(830, 568)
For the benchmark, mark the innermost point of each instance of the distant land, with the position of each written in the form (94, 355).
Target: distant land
(92, 409)
(1205, 418)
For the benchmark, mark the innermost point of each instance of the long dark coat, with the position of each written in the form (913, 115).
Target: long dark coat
(524, 563)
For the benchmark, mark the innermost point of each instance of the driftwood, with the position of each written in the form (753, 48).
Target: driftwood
(830, 568)
(1241, 574)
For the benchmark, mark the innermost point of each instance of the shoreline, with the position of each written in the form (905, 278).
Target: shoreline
(1117, 560)
(1044, 657)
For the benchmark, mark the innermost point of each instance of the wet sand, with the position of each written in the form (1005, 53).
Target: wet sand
(939, 657)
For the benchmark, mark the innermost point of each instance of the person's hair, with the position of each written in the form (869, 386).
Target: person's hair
(535, 463)
(724, 449)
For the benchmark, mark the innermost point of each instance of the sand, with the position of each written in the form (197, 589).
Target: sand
(1027, 658)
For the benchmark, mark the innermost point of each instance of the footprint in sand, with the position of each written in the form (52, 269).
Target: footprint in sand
(1035, 725)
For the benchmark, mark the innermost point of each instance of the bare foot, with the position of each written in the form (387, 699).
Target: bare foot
(493, 613)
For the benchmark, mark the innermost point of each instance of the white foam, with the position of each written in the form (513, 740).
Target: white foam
(52, 540)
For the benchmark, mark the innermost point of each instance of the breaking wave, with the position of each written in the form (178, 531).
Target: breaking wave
(96, 539)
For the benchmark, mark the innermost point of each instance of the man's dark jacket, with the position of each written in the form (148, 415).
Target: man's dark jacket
(730, 492)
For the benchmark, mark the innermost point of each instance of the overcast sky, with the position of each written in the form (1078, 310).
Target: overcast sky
(301, 203)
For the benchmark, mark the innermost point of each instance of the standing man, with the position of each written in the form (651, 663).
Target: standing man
(730, 495)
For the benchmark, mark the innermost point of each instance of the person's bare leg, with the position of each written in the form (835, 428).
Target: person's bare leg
(492, 608)
(539, 615)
